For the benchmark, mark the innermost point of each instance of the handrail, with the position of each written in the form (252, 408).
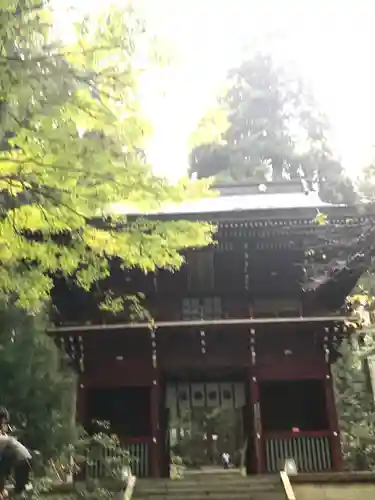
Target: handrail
(289, 492)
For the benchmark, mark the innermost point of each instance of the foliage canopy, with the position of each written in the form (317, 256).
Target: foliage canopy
(71, 143)
(355, 408)
(36, 389)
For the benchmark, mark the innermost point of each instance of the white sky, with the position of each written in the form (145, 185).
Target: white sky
(330, 42)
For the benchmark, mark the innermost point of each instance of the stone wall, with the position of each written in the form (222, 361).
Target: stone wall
(334, 486)
(354, 491)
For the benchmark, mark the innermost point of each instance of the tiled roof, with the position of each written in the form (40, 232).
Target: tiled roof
(234, 203)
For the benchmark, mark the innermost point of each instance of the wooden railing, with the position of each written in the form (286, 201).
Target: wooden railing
(137, 457)
(310, 450)
(139, 450)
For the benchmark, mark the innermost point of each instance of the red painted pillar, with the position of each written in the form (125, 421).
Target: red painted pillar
(155, 455)
(81, 402)
(257, 445)
(81, 418)
(155, 394)
(333, 424)
(335, 442)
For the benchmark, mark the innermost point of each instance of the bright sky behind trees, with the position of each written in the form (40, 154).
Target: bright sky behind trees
(329, 42)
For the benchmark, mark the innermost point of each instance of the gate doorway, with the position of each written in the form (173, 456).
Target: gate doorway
(127, 411)
(206, 419)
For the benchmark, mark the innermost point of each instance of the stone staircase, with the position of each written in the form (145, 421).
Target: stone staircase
(211, 486)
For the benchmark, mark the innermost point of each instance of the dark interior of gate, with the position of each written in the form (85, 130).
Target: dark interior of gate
(239, 358)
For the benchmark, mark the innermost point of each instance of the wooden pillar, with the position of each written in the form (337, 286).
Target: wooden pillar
(81, 402)
(81, 417)
(257, 445)
(333, 424)
(335, 441)
(156, 448)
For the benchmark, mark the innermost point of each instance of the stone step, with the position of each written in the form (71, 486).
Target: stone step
(213, 478)
(224, 495)
(182, 485)
(209, 483)
(210, 486)
(191, 492)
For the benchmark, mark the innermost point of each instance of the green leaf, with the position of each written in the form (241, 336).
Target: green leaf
(321, 219)
(71, 139)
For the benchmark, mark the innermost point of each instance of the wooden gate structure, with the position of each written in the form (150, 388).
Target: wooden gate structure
(260, 313)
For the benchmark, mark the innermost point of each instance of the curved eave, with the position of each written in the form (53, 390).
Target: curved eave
(336, 212)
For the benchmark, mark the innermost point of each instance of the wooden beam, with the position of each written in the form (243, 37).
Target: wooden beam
(199, 323)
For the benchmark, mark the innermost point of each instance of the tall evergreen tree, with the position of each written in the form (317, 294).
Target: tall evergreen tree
(366, 183)
(275, 131)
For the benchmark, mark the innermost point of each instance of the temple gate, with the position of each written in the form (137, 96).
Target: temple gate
(243, 337)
